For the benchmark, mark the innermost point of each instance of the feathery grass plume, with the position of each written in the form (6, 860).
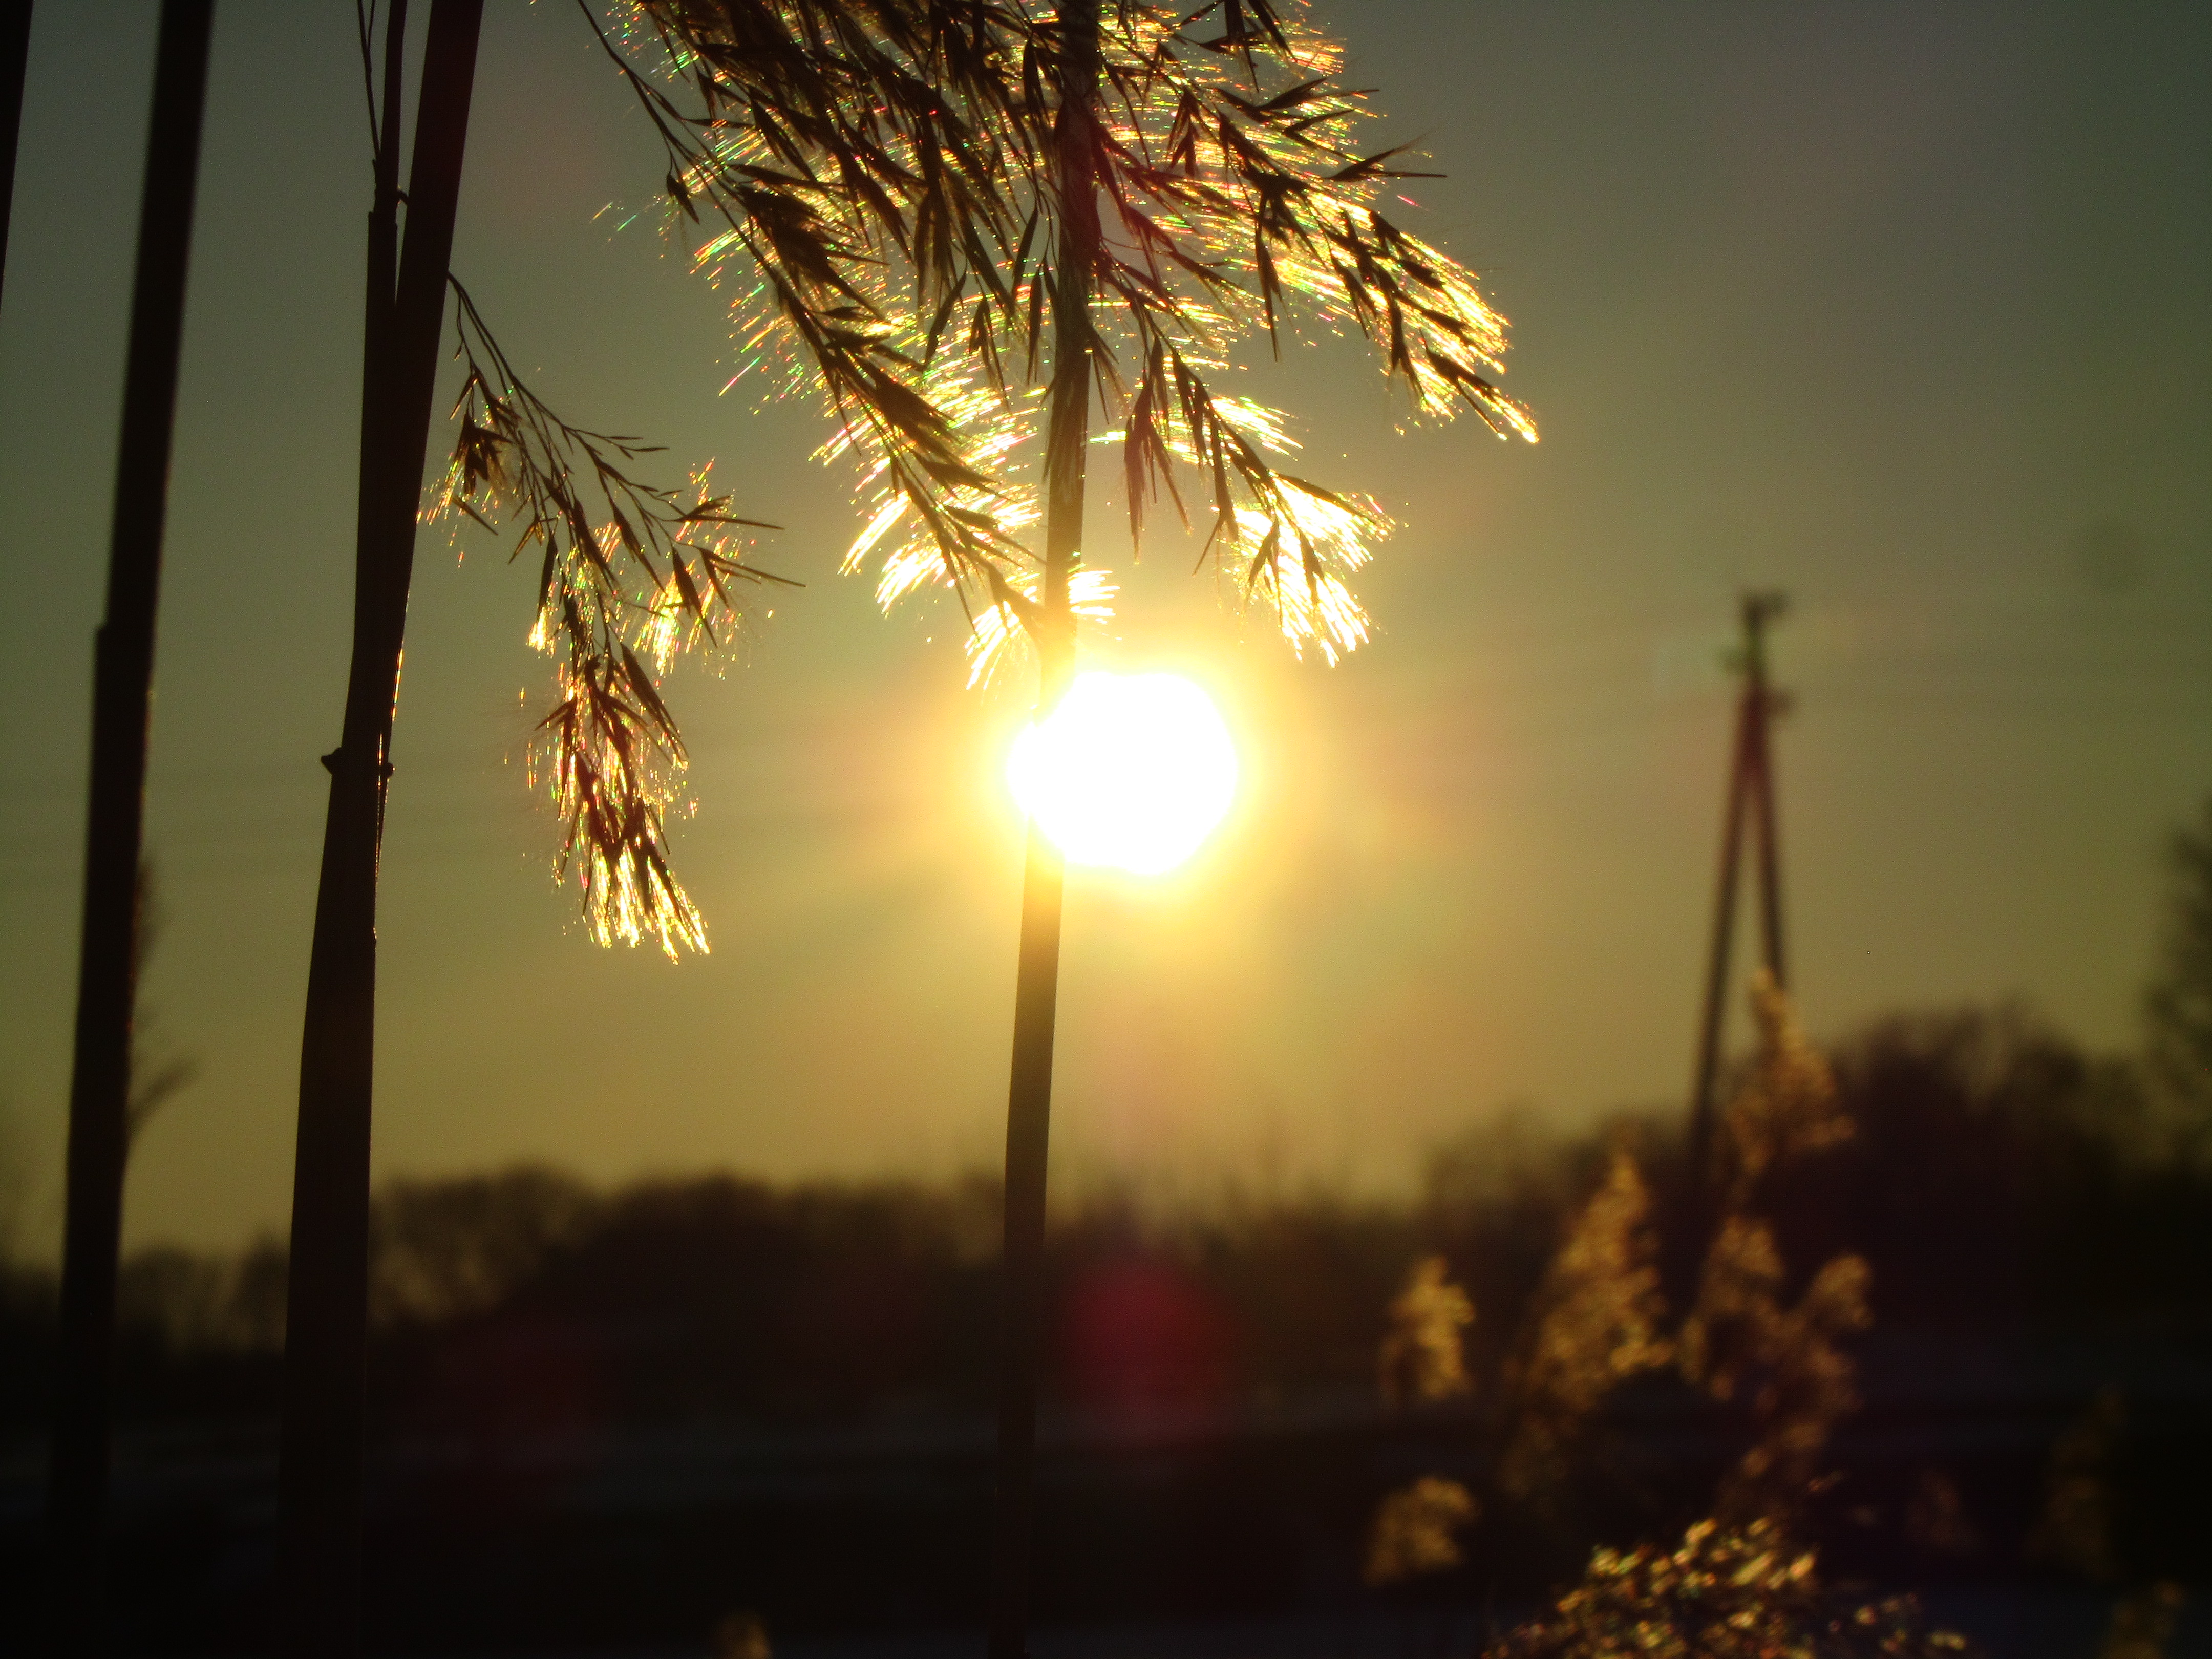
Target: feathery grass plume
(1416, 1530)
(863, 169)
(1421, 1359)
(1787, 1108)
(1596, 1323)
(1724, 1593)
(878, 181)
(875, 182)
(2074, 1531)
(629, 575)
(1787, 1364)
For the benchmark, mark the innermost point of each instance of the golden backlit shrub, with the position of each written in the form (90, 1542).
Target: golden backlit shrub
(1724, 1593)
(1416, 1530)
(1786, 1108)
(1421, 1359)
(1787, 1363)
(1597, 1322)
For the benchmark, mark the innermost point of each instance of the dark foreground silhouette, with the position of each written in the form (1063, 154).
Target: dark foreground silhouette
(609, 1419)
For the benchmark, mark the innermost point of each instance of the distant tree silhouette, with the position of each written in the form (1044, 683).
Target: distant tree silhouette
(2180, 1000)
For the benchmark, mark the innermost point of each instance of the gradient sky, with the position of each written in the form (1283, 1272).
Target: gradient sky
(1906, 308)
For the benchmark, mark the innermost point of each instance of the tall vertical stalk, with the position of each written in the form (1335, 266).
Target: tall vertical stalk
(319, 1473)
(15, 54)
(122, 680)
(1029, 1104)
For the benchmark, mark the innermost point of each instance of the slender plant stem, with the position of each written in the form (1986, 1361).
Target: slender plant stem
(122, 680)
(15, 54)
(1029, 1103)
(1029, 1113)
(320, 1460)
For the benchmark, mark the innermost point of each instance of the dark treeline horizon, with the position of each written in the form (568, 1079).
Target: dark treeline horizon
(617, 1412)
(2004, 1183)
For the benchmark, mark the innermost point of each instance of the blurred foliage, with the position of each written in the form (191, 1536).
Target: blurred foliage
(1599, 1320)
(2180, 1000)
(1724, 1594)
(1593, 1324)
(2002, 1181)
(1422, 1358)
(2002, 1199)
(1999, 1186)
(1743, 1340)
(2021, 1227)
(1416, 1530)
(1987, 1124)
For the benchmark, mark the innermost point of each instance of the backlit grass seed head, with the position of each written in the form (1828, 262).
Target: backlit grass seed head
(902, 246)
(874, 187)
(1788, 1362)
(1416, 1530)
(630, 575)
(1598, 1324)
(999, 640)
(1788, 1107)
(1422, 1358)
(1723, 1593)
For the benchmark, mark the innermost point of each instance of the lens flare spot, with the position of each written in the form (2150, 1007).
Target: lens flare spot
(1131, 771)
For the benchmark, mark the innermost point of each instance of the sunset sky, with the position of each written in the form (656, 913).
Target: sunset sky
(1907, 309)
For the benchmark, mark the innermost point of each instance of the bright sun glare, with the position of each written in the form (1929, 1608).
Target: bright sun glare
(1131, 771)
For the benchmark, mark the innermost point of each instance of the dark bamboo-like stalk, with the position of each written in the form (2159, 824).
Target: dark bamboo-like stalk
(1029, 1103)
(123, 679)
(320, 1467)
(15, 54)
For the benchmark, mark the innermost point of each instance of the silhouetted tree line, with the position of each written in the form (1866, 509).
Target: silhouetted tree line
(2002, 1184)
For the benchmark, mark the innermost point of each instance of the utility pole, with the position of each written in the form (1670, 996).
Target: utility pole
(1750, 800)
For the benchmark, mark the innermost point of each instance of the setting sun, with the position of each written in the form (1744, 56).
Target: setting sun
(1130, 770)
